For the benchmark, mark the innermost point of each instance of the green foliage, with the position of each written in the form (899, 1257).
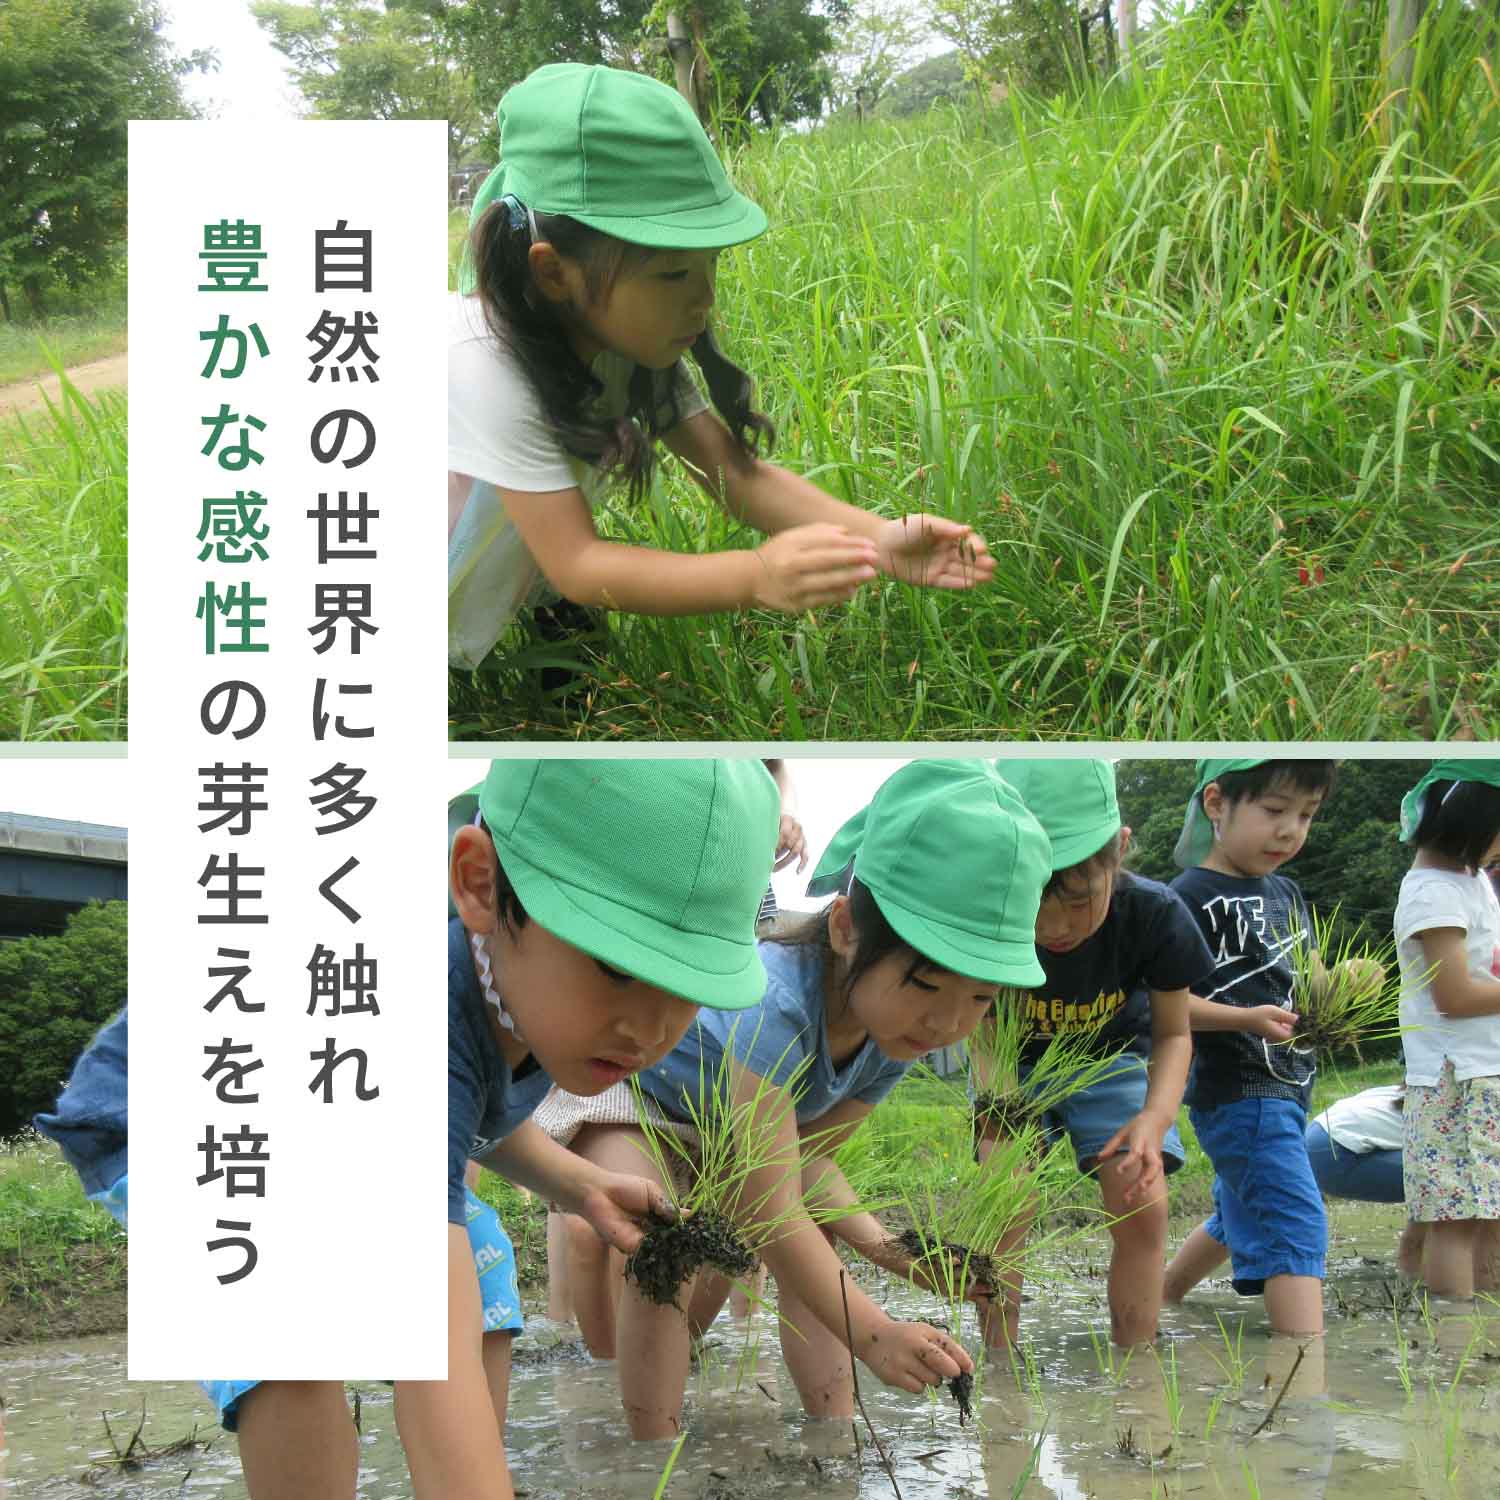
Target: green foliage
(55, 993)
(936, 80)
(354, 60)
(72, 73)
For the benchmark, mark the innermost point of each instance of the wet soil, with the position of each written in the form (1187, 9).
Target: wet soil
(71, 1292)
(673, 1249)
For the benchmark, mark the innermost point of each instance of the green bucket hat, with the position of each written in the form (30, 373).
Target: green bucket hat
(1197, 836)
(1073, 800)
(956, 865)
(619, 152)
(655, 867)
(1485, 769)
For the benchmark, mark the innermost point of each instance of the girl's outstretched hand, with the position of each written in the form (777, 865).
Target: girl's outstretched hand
(805, 566)
(615, 1204)
(912, 1355)
(934, 552)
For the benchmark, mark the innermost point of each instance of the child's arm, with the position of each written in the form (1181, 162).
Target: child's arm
(908, 1355)
(448, 1427)
(1458, 994)
(1268, 1021)
(797, 570)
(1166, 1073)
(612, 1202)
(917, 549)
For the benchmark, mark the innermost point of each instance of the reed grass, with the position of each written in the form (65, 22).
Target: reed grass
(1209, 358)
(63, 570)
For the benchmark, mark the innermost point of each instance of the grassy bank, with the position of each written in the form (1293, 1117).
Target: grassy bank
(63, 571)
(1209, 358)
(62, 1259)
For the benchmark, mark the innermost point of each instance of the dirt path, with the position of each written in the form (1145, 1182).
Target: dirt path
(25, 395)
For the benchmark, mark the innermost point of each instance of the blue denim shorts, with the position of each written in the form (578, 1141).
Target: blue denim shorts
(494, 1260)
(1366, 1176)
(1267, 1206)
(1091, 1116)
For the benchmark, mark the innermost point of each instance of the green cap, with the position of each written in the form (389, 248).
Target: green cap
(1197, 836)
(1073, 800)
(619, 152)
(656, 867)
(1471, 768)
(956, 865)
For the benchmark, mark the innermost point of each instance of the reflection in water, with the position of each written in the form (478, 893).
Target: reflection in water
(1374, 1412)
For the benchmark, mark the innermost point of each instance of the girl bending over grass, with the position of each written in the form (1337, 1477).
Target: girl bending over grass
(589, 274)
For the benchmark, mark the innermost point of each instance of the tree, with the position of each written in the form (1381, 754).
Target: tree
(55, 993)
(72, 73)
(872, 48)
(1049, 45)
(356, 60)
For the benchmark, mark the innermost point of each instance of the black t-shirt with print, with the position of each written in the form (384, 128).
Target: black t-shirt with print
(1148, 941)
(1252, 924)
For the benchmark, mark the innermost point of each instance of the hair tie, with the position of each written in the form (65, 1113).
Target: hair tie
(520, 216)
(487, 984)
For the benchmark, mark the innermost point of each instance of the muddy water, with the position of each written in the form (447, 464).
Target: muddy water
(1381, 1413)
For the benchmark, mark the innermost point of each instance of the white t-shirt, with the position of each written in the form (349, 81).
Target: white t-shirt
(1431, 899)
(1367, 1121)
(498, 438)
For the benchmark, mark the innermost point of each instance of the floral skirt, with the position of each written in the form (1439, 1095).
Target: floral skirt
(1451, 1149)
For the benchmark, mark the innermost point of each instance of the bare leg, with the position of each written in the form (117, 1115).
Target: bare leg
(589, 1280)
(1487, 1257)
(817, 1361)
(1135, 1266)
(652, 1340)
(1199, 1255)
(297, 1441)
(741, 1294)
(1294, 1304)
(1409, 1250)
(1450, 1257)
(709, 1297)
(496, 1355)
(559, 1295)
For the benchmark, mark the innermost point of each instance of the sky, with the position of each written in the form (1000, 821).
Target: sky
(252, 84)
(828, 792)
(82, 791)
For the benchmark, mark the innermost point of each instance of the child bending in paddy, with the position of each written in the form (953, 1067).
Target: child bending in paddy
(570, 959)
(1250, 1084)
(1122, 952)
(1448, 944)
(946, 878)
(590, 274)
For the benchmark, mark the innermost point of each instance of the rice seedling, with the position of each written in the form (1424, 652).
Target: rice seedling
(1171, 1387)
(1013, 1093)
(1234, 1366)
(1211, 1416)
(1347, 990)
(733, 1169)
(63, 571)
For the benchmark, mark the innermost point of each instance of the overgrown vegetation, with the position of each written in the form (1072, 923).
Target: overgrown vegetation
(1209, 356)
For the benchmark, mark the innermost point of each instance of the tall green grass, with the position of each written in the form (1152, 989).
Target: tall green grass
(1210, 358)
(63, 570)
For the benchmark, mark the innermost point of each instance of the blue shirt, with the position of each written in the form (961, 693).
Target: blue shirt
(1252, 924)
(486, 1101)
(1101, 989)
(788, 1031)
(89, 1120)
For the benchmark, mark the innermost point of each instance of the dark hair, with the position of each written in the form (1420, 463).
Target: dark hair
(533, 330)
(1460, 820)
(1278, 775)
(507, 902)
(875, 938)
(1103, 861)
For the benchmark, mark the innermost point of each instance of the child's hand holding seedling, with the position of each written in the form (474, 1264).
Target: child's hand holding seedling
(912, 1355)
(1270, 1022)
(615, 1205)
(934, 552)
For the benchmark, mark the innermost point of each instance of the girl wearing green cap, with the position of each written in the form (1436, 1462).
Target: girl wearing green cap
(1448, 945)
(1120, 954)
(939, 913)
(590, 275)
